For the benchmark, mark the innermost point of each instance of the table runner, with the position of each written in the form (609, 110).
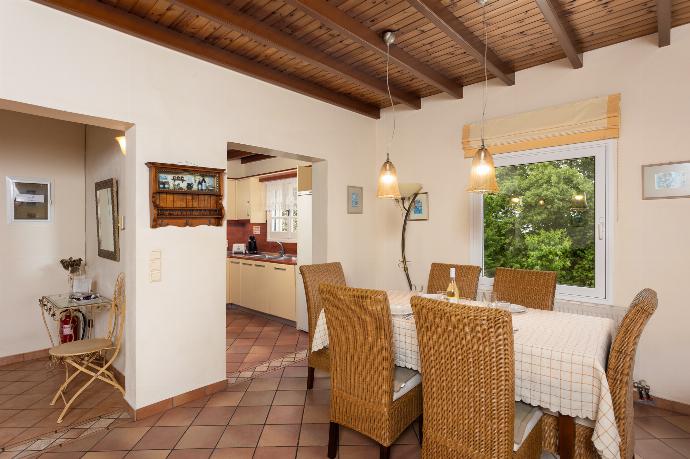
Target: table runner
(560, 362)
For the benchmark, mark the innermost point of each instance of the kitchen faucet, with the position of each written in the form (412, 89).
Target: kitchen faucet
(282, 249)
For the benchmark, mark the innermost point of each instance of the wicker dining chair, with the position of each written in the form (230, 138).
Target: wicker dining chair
(467, 362)
(466, 277)
(313, 276)
(90, 356)
(532, 289)
(619, 374)
(368, 394)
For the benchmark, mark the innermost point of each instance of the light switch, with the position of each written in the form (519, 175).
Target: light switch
(155, 266)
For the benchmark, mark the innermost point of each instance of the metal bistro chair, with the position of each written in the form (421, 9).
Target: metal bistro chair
(532, 289)
(89, 356)
(466, 276)
(369, 393)
(619, 373)
(467, 362)
(313, 276)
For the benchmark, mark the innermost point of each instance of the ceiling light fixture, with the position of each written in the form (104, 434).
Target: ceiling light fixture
(483, 171)
(388, 176)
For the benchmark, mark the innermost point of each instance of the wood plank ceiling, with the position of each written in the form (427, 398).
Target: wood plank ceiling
(331, 49)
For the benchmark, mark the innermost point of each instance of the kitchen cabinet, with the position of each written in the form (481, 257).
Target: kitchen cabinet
(231, 200)
(281, 282)
(257, 201)
(246, 200)
(234, 281)
(242, 199)
(263, 286)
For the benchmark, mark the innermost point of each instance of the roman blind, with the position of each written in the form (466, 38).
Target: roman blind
(583, 121)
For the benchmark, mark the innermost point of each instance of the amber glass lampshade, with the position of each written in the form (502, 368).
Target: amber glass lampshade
(483, 173)
(388, 181)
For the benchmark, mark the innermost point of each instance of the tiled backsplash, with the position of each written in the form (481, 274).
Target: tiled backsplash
(240, 230)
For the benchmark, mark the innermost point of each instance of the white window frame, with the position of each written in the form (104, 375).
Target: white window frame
(604, 153)
(281, 236)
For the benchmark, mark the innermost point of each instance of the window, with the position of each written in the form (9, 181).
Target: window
(551, 214)
(281, 205)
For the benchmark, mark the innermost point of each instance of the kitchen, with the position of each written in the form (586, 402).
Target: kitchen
(268, 199)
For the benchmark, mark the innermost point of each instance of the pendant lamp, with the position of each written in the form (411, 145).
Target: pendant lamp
(388, 177)
(483, 171)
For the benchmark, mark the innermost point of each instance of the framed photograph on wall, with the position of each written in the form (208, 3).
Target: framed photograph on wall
(666, 180)
(355, 200)
(420, 207)
(29, 200)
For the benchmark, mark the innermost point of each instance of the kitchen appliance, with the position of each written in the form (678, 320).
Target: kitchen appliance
(304, 242)
(251, 245)
(238, 248)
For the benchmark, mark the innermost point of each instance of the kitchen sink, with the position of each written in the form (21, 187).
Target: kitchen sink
(265, 256)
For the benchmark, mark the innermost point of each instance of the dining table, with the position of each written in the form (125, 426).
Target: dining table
(560, 365)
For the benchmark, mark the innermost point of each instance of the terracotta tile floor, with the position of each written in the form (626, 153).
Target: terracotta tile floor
(252, 340)
(273, 416)
(26, 389)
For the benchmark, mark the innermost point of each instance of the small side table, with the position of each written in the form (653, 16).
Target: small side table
(56, 306)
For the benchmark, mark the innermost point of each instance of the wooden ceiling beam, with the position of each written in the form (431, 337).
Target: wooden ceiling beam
(131, 24)
(339, 21)
(258, 31)
(254, 158)
(562, 32)
(237, 154)
(449, 24)
(663, 20)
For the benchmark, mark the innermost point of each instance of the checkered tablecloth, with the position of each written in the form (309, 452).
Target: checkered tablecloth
(560, 362)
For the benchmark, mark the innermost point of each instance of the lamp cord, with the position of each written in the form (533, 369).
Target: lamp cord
(390, 97)
(486, 76)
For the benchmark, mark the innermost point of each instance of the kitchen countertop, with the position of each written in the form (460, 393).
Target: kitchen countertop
(292, 261)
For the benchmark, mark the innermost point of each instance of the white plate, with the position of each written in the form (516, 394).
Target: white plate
(401, 309)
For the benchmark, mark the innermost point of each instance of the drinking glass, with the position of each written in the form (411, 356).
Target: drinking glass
(490, 299)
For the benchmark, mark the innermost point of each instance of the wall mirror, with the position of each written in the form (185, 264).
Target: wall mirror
(107, 220)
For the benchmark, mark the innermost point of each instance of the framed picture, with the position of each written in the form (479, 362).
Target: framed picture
(355, 199)
(420, 207)
(666, 180)
(29, 200)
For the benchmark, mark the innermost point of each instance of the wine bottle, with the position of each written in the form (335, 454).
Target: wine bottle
(452, 291)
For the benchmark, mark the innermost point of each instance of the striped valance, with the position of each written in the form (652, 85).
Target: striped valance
(582, 121)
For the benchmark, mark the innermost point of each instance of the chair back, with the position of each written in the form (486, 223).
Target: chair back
(116, 318)
(468, 386)
(466, 277)
(619, 372)
(312, 277)
(360, 341)
(532, 289)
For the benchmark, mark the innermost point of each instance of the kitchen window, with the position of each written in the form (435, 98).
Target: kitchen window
(552, 213)
(281, 206)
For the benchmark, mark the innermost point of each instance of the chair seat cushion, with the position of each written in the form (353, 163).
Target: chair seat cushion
(84, 346)
(526, 417)
(404, 380)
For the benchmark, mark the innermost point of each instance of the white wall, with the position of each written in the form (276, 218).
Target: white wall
(651, 237)
(36, 147)
(237, 170)
(103, 160)
(185, 111)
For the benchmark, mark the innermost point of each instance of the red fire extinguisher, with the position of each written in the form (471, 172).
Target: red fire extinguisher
(68, 328)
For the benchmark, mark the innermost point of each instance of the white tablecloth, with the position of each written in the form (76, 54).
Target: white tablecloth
(560, 362)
